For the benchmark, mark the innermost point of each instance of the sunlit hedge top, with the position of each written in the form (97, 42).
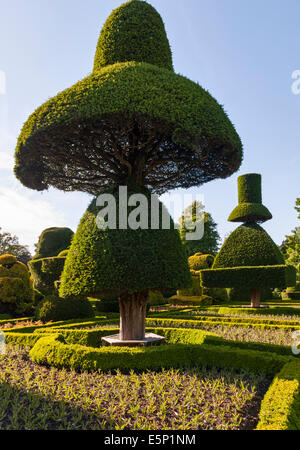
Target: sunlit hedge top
(200, 261)
(131, 119)
(7, 260)
(134, 32)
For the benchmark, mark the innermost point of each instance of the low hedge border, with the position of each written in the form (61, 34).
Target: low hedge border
(53, 350)
(212, 318)
(92, 338)
(281, 310)
(280, 408)
(192, 323)
(77, 349)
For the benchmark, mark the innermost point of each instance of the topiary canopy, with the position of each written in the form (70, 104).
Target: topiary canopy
(133, 117)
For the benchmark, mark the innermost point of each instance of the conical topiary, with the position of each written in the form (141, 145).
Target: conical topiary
(249, 258)
(132, 122)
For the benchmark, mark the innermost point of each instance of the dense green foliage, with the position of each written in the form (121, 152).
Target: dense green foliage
(63, 253)
(188, 299)
(133, 32)
(250, 208)
(53, 350)
(199, 261)
(291, 245)
(243, 294)
(255, 276)
(248, 245)
(9, 244)
(106, 261)
(16, 291)
(280, 408)
(194, 215)
(250, 212)
(183, 113)
(52, 241)
(45, 272)
(249, 188)
(55, 309)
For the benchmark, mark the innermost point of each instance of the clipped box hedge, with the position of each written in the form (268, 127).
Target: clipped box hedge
(53, 350)
(256, 276)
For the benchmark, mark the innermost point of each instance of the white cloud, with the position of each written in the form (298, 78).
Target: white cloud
(25, 216)
(7, 145)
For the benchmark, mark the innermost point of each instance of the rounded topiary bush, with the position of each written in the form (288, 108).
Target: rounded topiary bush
(45, 272)
(53, 308)
(156, 298)
(219, 295)
(16, 292)
(200, 261)
(52, 241)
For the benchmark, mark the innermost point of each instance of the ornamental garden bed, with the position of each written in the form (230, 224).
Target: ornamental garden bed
(253, 384)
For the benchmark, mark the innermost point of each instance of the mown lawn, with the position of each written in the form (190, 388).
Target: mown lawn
(35, 397)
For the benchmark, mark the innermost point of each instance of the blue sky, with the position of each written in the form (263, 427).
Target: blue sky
(243, 52)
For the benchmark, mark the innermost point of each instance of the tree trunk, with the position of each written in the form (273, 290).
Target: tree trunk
(133, 315)
(255, 297)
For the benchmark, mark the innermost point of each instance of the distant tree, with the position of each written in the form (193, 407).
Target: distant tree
(297, 207)
(290, 247)
(292, 255)
(209, 243)
(9, 244)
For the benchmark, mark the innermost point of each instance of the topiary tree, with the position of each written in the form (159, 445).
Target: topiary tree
(209, 242)
(45, 272)
(249, 258)
(16, 291)
(132, 122)
(52, 241)
(199, 261)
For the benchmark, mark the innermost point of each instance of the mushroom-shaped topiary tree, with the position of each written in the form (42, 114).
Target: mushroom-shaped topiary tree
(132, 122)
(249, 258)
